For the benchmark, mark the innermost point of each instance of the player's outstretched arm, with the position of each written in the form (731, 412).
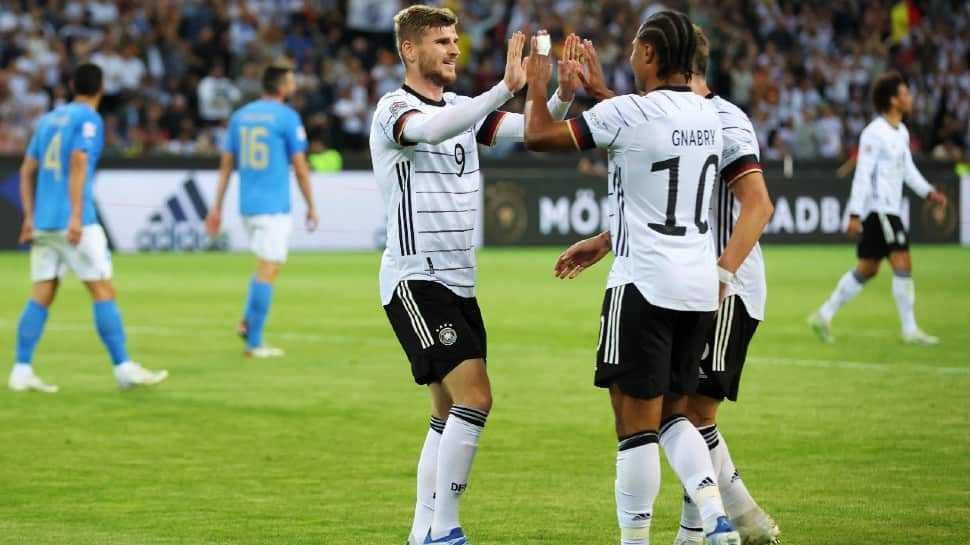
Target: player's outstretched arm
(756, 209)
(542, 133)
(416, 127)
(28, 188)
(77, 178)
(583, 255)
(302, 171)
(214, 217)
(502, 126)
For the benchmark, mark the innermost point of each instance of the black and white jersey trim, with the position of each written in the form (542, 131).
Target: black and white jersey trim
(621, 246)
(405, 216)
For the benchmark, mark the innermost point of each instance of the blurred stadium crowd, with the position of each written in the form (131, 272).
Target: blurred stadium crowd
(175, 69)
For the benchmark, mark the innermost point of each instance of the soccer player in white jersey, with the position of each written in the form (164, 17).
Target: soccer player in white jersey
(424, 147)
(265, 137)
(741, 207)
(60, 221)
(664, 148)
(875, 204)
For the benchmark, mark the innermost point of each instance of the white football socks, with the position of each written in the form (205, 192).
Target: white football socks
(905, 294)
(427, 468)
(689, 457)
(459, 442)
(737, 499)
(848, 287)
(637, 484)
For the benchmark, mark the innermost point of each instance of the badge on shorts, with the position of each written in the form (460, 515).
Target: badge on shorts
(447, 334)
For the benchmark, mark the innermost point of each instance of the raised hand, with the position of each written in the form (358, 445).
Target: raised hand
(537, 67)
(570, 68)
(515, 75)
(581, 256)
(593, 80)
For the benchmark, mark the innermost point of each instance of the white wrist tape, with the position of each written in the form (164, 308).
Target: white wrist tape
(724, 275)
(543, 44)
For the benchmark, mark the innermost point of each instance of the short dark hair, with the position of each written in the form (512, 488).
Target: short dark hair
(672, 36)
(274, 75)
(87, 79)
(886, 88)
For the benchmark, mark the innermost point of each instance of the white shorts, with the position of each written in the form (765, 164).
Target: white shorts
(269, 235)
(51, 255)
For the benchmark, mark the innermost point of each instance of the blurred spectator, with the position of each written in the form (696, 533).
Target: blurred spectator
(828, 128)
(217, 96)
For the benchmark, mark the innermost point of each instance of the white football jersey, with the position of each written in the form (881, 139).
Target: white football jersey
(431, 195)
(664, 149)
(740, 157)
(884, 163)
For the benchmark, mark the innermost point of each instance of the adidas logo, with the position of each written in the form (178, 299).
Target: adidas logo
(707, 482)
(735, 477)
(642, 516)
(179, 225)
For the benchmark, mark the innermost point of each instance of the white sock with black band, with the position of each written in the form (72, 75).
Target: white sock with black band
(427, 468)
(459, 442)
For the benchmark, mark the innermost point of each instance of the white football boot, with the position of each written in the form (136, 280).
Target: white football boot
(920, 337)
(130, 374)
(757, 528)
(23, 379)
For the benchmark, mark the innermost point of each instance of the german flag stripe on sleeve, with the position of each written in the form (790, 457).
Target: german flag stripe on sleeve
(582, 136)
(486, 134)
(741, 167)
(398, 129)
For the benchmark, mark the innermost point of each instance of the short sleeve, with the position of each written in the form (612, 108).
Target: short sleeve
(392, 113)
(295, 136)
(740, 156)
(87, 136)
(33, 149)
(230, 143)
(600, 126)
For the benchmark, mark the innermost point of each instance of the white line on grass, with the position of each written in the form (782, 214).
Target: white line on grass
(841, 364)
(387, 340)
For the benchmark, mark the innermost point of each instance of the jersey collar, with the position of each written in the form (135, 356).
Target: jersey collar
(423, 98)
(678, 88)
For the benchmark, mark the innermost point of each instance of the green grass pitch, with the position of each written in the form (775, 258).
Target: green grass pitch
(863, 441)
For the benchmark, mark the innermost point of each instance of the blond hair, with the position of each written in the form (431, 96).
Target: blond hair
(702, 54)
(411, 22)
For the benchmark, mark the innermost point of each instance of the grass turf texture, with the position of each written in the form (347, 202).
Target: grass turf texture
(863, 441)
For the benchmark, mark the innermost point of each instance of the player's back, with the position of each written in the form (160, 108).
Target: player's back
(663, 165)
(68, 128)
(263, 135)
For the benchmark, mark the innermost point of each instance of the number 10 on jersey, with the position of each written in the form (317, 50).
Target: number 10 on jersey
(669, 226)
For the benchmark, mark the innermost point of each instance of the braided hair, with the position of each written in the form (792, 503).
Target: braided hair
(672, 36)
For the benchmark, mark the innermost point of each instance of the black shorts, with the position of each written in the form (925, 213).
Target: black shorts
(646, 350)
(437, 329)
(881, 235)
(726, 350)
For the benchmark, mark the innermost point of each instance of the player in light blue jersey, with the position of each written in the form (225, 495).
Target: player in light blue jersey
(57, 187)
(264, 138)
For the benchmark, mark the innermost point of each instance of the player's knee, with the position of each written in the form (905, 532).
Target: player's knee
(478, 398)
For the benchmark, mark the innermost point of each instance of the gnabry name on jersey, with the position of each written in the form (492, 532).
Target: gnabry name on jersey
(693, 137)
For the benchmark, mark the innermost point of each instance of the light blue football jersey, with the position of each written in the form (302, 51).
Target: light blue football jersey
(60, 132)
(264, 135)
